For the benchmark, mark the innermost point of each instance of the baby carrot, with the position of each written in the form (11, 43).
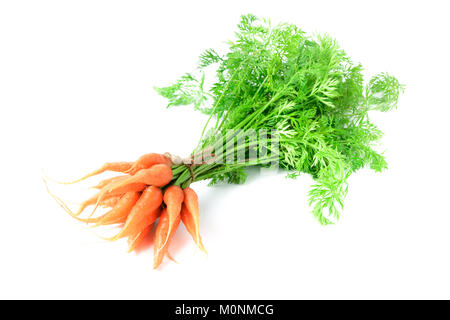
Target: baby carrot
(148, 160)
(158, 175)
(108, 198)
(190, 216)
(161, 245)
(191, 224)
(144, 212)
(105, 193)
(173, 198)
(120, 212)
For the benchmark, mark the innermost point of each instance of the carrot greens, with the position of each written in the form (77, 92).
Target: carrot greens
(303, 89)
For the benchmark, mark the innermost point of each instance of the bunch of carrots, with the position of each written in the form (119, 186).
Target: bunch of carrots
(139, 199)
(304, 95)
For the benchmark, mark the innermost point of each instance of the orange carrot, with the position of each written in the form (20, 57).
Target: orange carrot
(173, 198)
(105, 193)
(148, 160)
(190, 216)
(191, 224)
(161, 245)
(109, 166)
(144, 212)
(135, 240)
(158, 175)
(120, 212)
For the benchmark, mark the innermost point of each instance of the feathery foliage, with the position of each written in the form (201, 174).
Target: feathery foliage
(306, 89)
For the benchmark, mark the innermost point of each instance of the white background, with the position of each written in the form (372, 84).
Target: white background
(76, 83)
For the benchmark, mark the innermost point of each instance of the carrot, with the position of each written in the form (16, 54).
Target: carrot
(148, 160)
(190, 216)
(120, 212)
(134, 240)
(158, 175)
(173, 198)
(191, 225)
(109, 166)
(107, 194)
(144, 212)
(138, 227)
(161, 245)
